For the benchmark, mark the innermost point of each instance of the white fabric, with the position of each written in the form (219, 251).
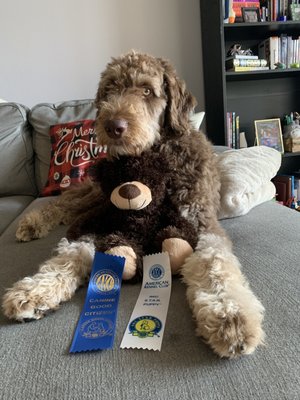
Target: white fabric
(196, 119)
(246, 178)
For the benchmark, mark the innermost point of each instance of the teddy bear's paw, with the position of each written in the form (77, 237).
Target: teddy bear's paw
(23, 303)
(178, 250)
(130, 259)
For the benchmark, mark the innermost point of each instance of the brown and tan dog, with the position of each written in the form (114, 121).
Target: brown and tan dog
(142, 104)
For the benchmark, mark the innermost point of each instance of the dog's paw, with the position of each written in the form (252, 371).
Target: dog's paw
(130, 260)
(23, 303)
(231, 332)
(31, 227)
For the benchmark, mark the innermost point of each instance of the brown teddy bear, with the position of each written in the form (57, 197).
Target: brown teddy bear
(135, 213)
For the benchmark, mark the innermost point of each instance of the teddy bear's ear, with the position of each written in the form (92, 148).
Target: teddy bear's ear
(180, 102)
(131, 196)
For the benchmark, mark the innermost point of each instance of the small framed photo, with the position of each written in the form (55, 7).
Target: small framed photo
(250, 14)
(268, 133)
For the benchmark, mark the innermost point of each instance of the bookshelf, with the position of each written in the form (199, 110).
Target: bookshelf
(252, 95)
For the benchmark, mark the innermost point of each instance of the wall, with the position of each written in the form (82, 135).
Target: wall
(55, 50)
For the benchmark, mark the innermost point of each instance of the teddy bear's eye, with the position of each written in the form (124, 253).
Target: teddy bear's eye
(146, 91)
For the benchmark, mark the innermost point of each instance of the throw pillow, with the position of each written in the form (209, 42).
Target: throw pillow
(74, 150)
(246, 179)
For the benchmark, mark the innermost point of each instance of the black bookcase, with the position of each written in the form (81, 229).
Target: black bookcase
(252, 95)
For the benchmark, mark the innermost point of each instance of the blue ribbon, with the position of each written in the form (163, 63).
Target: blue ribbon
(97, 323)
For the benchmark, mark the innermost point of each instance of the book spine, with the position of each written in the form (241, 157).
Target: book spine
(289, 51)
(243, 57)
(237, 132)
(248, 69)
(274, 51)
(283, 57)
(250, 63)
(233, 130)
(228, 129)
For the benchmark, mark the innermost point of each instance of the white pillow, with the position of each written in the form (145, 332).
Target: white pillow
(196, 119)
(246, 178)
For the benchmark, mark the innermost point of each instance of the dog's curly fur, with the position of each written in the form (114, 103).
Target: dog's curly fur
(146, 93)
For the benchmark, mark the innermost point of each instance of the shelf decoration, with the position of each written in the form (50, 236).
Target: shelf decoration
(268, 133)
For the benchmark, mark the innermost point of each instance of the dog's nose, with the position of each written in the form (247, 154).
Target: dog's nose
(129, 191)
(115, 128)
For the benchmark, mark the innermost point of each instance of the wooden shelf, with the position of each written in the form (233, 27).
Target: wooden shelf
(260, 30)
(297, 154)
(267, 74)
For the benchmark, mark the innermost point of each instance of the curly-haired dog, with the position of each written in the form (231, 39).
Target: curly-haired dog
(142, 103)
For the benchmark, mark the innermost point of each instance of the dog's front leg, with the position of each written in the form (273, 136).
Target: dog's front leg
(56, 281)
(227, 313)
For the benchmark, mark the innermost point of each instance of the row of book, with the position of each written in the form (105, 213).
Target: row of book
(270, 10)
(276, 10)
(243, 63)
(280, 49)
(288, 189)
(232, 130)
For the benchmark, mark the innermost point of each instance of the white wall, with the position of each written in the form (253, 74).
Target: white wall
(55, 50)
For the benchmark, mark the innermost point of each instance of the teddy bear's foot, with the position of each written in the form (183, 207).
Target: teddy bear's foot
(178, 250)
(130, 259)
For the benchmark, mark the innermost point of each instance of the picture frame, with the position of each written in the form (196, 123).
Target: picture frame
(268, 133)
(250, 14)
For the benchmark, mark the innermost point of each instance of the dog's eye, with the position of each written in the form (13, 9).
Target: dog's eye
(146, 91)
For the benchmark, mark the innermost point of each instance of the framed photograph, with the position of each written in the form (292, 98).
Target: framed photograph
(250, 14)
(268, 133)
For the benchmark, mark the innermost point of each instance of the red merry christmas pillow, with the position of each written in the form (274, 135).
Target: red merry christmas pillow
(74, 150)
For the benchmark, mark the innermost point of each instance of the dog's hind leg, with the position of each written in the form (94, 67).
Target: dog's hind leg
(56, 281)
(63, 210)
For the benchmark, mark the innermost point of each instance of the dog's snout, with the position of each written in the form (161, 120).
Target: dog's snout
(129, 191)
(115, 128)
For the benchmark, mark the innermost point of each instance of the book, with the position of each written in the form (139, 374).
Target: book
(288, 181)
(242, 57)
(269, 50)
(232, 130)
(237, 132)
(284, 45)
(245, 63)
(248, 69)
(280, 191)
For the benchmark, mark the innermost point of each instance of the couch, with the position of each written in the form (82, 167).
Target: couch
(35, 359)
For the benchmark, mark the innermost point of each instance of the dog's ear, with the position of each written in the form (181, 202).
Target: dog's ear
(180, 102)
(101, 92)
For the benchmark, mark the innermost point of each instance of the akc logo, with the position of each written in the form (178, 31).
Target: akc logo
(145, 326)
(156, 272)
(106, 282)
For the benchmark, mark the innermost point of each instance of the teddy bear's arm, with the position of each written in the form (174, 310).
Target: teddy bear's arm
(88, 223)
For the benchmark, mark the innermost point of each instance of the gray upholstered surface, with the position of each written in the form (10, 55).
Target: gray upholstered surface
(10, 208)
(16, 152)
(35, 363)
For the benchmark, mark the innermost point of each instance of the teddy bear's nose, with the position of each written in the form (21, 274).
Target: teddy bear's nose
(115, 128)
(129, 191)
